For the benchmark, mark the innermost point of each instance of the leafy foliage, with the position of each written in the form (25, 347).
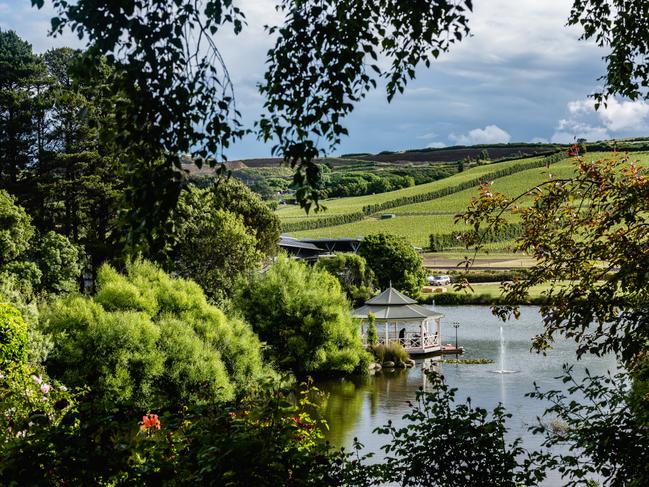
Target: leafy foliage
(16, 229)
(598, 216)
(13, 336)
(313, 66)
(49, 263)
(29, 402)
(394, 261)
(617, 25)
(351, 270)
(232, 195)
(302, 314)
(147, 340)
(213, 246)
(392, 352)
(372, 333)
(589, 236)
(446, 444)
(60, 261)
(611, 441)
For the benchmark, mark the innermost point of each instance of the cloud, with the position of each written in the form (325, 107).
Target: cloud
(436, 145)
(617, 118)
(491, 134)
(568, 132)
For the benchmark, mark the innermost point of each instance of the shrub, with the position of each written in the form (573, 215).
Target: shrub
(372, 333)
(303, 315)
(29, 402)
(147, 340)
(392, 352)
(13, 336)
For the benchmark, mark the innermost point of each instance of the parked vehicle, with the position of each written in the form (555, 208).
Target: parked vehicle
(438, 280)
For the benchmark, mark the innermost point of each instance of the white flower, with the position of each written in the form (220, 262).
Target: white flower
(37, 379)
(45, 388)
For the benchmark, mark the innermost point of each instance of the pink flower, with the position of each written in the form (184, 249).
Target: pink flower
(45, 388)
(37, 379)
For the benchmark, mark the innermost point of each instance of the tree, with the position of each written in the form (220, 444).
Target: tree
(19, 71)
(213, 246)
(234, 196)
(353, 273)
(16, 229)
(60, 262)
(49, 263)
(302, 314)
(589, 235)
(394, 261)
(148, 341)
(13, 336)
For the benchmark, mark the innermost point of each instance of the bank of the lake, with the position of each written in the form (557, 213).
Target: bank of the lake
(356, 406)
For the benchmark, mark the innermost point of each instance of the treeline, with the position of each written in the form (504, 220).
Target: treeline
(335, 220)
(445, 241)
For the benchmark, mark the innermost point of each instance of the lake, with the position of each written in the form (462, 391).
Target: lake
(356, 406)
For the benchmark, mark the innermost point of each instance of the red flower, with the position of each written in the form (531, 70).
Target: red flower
(150, 422)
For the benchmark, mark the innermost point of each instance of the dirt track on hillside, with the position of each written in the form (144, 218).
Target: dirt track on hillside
(432, 262)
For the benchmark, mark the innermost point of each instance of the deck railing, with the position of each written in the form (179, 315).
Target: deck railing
(411, 340)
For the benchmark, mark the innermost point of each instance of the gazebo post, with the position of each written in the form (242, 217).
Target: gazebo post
(386, 333)
(421, 334)
(439, 331)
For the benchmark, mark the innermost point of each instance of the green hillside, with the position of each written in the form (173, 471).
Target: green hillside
(342, 206)
(417, 221)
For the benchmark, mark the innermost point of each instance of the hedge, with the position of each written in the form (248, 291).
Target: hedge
(335, 220)
(431, 195)
(444, 241)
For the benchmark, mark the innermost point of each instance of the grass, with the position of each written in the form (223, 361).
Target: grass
(417, 221)
(341, 206)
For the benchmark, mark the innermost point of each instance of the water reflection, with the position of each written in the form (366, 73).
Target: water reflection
(355, 407)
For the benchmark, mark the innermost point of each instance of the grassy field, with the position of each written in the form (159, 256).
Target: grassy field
(417, 221)
(341, 206)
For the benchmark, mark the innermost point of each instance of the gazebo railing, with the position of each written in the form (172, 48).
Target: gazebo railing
(411, 340)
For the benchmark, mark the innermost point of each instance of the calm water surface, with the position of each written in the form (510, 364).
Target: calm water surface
(356, 406)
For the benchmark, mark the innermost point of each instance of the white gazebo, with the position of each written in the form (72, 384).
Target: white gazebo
(401, 319)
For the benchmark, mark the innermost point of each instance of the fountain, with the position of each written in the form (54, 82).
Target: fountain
(502, 355)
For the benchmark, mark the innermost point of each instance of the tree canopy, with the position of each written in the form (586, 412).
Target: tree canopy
(302, 314)
(212, 246)
(394, 261)
(147, 340)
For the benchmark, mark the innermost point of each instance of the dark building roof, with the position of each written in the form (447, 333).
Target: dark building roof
(313, 247)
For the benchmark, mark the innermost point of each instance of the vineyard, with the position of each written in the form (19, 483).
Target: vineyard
(425, 214)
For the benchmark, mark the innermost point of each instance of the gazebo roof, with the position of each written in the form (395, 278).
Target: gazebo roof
(390, 297)
(392, 305)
